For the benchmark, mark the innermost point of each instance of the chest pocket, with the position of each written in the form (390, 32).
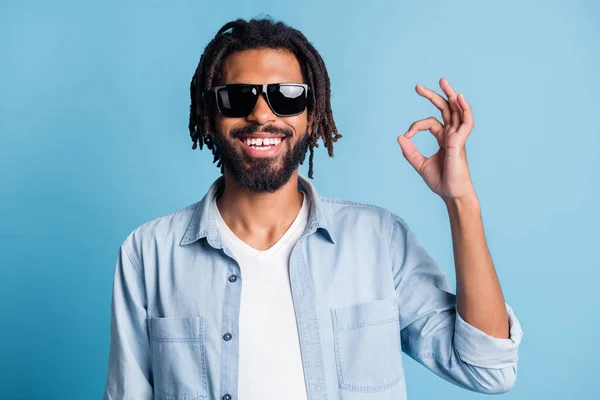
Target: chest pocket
(178, 358)
(367, 345)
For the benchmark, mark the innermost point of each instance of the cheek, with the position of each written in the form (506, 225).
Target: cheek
(223, 125)
(219, 123)
(299, 122)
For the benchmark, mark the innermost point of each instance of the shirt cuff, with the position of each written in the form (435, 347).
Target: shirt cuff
(477, 348)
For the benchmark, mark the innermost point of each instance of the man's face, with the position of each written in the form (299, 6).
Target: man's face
(260, 170)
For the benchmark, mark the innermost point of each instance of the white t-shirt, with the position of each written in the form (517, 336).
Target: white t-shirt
(270, 363)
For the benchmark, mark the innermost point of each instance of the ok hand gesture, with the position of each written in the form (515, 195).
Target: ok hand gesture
(446, 172)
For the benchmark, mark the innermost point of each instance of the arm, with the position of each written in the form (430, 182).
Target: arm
(479, 297)
(129, 365)
(476, 346)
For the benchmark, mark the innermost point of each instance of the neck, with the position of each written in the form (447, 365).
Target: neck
(261, 218)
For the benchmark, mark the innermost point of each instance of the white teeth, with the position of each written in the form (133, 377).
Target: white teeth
(262, 143)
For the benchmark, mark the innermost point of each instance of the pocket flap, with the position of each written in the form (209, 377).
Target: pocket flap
(175, 328)
(365, 314)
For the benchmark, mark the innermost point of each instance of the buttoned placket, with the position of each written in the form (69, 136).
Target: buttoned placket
(303, 298)
(230, 326)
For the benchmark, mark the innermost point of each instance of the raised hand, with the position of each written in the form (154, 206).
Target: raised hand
(446, 172)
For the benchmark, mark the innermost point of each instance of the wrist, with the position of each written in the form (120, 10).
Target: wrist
(467, 202)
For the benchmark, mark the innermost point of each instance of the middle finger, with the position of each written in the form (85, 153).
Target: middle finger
(437, 101)
(452, 99)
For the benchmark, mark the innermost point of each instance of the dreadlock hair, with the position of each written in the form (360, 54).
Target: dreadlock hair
(260, 34)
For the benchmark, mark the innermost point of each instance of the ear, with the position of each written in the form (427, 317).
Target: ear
(310, 123)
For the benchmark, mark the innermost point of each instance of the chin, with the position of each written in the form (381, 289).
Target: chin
(262, 174)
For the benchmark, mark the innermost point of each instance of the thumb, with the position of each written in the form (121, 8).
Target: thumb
(410, 152)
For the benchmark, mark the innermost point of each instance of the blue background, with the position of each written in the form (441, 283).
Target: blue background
(94, 141)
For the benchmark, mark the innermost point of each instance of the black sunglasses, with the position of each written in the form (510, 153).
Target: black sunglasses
(239, 99)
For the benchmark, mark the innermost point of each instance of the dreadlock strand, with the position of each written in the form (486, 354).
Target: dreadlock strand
(327, 126)
(311, 150)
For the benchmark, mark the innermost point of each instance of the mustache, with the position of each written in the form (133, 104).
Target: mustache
(247, 130)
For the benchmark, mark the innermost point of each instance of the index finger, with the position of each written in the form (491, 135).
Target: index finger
(437, 100)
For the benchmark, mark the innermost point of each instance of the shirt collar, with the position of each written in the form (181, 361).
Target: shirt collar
(202, 223)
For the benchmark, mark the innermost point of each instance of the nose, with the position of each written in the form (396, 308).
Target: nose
(262, 113)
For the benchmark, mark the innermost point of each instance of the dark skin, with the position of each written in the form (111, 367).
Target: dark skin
(261, 219)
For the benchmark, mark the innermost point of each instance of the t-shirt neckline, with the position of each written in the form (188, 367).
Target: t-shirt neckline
(263, 254)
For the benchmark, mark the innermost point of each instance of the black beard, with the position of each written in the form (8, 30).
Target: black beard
(258, 175)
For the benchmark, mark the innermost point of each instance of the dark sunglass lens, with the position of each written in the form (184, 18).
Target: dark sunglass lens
(287, 99)
(237, 101)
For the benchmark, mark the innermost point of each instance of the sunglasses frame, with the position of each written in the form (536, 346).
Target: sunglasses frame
(263, 90)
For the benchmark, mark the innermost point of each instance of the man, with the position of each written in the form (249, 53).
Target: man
(265, 290)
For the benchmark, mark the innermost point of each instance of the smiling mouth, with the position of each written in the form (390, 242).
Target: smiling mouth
(261, 143)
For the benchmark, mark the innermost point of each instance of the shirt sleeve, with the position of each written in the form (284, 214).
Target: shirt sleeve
(129, 365)
(432, 331)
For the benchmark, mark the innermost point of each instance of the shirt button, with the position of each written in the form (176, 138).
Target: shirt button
(227, 336)
(232, 278)
(227, 397)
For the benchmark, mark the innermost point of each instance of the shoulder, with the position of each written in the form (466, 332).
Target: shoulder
(363, 215)
(165, 229)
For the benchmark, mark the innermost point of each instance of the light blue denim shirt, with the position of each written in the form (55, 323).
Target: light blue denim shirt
(364, 290)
